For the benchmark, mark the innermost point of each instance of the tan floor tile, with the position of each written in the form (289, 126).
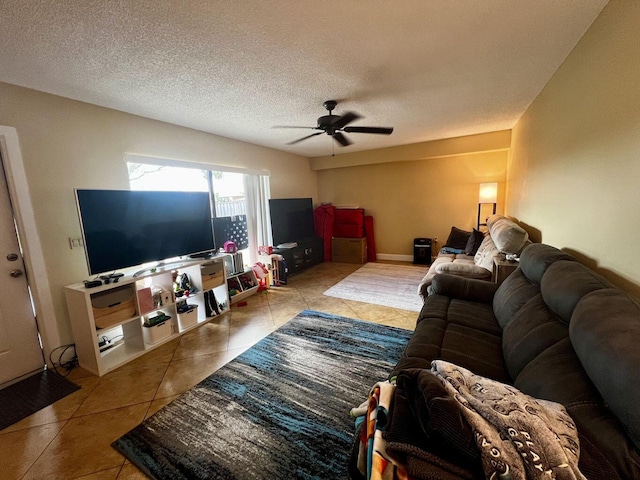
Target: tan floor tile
(247, 315)
(159, 404)
(284, 294)
(184, 374)
(22, 448)
(109, 474)
(256, 300)
(282, 313)
(373, 313)
(162, 354)
(63, 409)
(83, 446)
(78, 373)
(204, 340)
(247, 335)
(400, 322)
(131, 472)
(234, 352)
(124, 387)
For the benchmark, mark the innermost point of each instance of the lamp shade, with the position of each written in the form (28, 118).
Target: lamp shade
(488, 193)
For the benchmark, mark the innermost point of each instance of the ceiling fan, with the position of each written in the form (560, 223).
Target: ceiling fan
(334, 125)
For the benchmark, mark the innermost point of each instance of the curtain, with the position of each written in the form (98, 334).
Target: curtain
(257, 194)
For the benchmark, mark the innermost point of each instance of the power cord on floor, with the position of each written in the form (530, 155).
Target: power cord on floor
(67, 365)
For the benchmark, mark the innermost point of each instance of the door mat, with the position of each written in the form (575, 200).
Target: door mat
(27, 396)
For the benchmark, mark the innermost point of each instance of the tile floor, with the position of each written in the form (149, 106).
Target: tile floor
(71, 439)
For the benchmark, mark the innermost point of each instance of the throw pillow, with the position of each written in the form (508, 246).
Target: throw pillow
(475, 239)
(457, 238)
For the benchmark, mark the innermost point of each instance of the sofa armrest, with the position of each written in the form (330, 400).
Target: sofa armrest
(463, 288)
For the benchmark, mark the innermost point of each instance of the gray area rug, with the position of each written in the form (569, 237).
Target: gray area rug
(383, 284)
(278, 411)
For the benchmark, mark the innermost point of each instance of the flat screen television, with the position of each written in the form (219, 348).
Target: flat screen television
(124, 228)
(233, 228)
(291, 219)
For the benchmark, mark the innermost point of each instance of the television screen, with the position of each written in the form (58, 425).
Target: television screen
(123, 228)
(291, 219)
(232, 228)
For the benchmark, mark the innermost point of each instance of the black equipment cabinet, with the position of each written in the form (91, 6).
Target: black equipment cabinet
(422, 251)
(306, 254)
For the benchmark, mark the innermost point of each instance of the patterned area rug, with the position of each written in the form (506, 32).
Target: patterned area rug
(278, 411)
(383, 284)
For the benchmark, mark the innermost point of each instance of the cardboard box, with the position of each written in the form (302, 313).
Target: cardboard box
(349, 250)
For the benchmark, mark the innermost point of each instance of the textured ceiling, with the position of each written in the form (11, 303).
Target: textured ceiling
(430, 68)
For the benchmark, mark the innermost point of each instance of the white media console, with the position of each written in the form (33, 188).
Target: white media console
(108, 321)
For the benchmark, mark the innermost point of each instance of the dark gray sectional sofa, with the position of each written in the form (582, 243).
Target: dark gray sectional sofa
(555, 330)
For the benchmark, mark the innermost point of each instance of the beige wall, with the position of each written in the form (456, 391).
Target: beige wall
(574, 175)
(67, 144)
(420, 198)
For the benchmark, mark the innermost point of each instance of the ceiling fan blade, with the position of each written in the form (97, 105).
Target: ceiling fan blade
(293, 126)
(341, 139)
(344, 120)
(304, 138)
(380, 130)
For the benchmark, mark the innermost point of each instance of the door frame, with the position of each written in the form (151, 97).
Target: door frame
(29, 239)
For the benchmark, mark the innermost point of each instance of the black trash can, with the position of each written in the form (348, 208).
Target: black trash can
(422, 251)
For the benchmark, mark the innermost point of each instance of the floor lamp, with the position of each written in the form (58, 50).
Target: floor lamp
(488, 195)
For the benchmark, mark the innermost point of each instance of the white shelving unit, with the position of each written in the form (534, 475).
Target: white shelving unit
(115, 313)
(240, 285)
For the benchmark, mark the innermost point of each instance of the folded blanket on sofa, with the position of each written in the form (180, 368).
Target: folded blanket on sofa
(372, 416)
(427, 432)
(448, 423)
(519, 437)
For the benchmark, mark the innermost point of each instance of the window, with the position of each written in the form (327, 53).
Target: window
(232, 192)
(225, 188)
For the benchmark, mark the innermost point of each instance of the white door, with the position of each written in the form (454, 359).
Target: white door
(20, 352)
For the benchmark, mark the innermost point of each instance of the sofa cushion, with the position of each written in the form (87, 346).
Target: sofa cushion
(536, 258)
(534, 328)
(464, 268)
(605, 331)
(442, 259)
(457, 238)
(474, 242)
(512, 295)
(565, 284)
(558, 375)
(485, 254)
(458, 331)
(507, 236)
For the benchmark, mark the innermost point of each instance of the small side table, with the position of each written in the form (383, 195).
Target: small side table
(502, 269)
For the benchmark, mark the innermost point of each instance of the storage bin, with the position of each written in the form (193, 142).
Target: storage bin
(212, 275)
(188, 318)
(158, 332)
(113, 306)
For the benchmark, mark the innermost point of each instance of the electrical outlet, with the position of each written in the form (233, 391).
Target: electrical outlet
(435, 239)
(75, 243)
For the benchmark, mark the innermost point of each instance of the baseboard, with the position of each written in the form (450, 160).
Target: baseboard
(394, 257)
